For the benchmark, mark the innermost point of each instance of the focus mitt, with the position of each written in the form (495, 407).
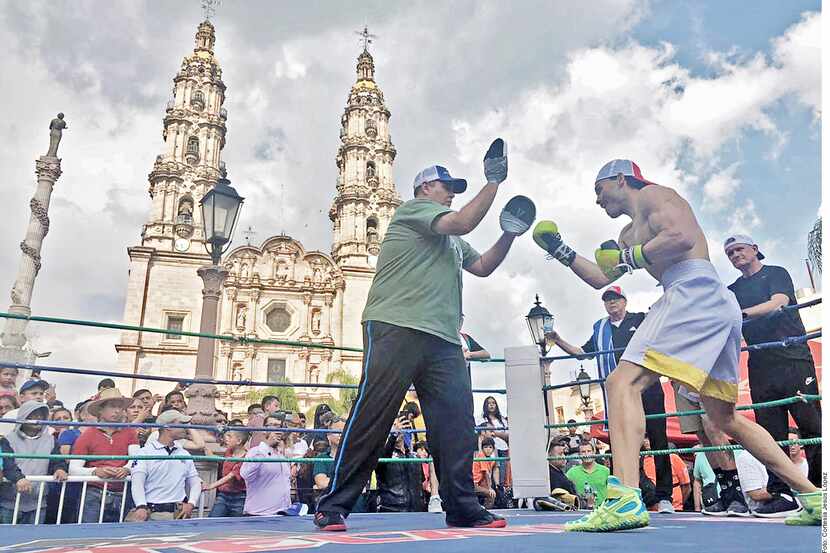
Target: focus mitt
(495, 162)
(517, 215)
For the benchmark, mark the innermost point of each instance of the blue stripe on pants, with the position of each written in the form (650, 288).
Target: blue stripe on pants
(360, 396)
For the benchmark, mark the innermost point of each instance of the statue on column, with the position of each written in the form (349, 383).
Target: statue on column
(56, 128)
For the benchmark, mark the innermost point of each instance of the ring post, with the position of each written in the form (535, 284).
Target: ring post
(525, 402)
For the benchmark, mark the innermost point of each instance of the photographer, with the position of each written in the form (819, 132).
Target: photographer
(399, 484)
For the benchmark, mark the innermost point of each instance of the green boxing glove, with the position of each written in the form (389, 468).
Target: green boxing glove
(546, 235)
(615, 262)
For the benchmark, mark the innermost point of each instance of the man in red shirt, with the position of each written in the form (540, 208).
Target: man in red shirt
(109, 407)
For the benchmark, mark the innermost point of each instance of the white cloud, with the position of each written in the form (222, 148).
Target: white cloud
(720, 189)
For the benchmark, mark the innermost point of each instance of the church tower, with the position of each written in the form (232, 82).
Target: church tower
(163, 289)
(366, 196)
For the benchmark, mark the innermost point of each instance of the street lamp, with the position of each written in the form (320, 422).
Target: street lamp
(539, 321)
(220, 210)
(584, 387)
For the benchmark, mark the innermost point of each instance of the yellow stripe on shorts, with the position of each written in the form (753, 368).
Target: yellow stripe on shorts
(690, 375)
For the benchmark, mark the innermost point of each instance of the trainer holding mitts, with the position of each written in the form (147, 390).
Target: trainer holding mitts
(411, 327)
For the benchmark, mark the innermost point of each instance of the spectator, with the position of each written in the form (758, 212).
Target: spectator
(589, 477)
(105, 384)
(109, 407)
(556, 469)
(33, 390)
(428, 473)
(321, 412)
(254, 409)
(61, 414)
(164, 490)
(175, 400)
(471, 349)
(704, 483)
(399, 484)
(190, 439)
(236, 422)
(681, 484)
(271, 407)
(66, 438)
(268, 485)
(615, 332)
(754, 479)
(30, 439)
(797, 452)
(574, 438)
(8, 403)
(486, 474)
(138, 411)
(230, 494)
(8, 381)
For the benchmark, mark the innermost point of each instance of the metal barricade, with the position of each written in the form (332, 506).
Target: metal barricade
(85, 480)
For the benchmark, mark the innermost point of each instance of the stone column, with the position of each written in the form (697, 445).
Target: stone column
(13, 337)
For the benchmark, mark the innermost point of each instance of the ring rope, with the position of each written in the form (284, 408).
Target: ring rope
(656, 452)
(763, 405)
(686, 450)
(786, 342)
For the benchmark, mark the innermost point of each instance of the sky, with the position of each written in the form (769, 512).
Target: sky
(719, 100)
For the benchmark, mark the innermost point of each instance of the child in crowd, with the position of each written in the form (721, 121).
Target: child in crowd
(230, 495)
(8, 381)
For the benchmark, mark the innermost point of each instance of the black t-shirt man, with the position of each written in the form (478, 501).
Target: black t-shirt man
(757, 289)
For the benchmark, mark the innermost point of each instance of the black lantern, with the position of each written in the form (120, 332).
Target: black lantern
(539, 320)
(220, 210)
(584, 386)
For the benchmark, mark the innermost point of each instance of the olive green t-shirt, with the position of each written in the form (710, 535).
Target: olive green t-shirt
(418, 279)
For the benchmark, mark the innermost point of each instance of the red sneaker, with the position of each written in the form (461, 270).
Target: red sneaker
(330, 521)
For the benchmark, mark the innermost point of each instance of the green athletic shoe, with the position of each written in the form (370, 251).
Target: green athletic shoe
(623, 509)
(810, 515)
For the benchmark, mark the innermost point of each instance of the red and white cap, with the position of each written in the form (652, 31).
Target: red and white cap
(613, 291)
(626, 167)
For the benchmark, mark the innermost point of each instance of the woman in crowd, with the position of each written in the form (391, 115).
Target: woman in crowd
(399, 484)
(492, 414)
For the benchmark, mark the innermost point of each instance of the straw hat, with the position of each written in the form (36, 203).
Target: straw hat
(108, 395)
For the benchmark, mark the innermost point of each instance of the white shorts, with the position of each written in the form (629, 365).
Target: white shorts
(693, 333)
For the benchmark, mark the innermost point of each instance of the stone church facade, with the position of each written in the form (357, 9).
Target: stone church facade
(277, 290)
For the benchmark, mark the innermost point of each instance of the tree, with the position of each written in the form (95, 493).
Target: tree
(343, 403)
(288, 399)
(814, 246)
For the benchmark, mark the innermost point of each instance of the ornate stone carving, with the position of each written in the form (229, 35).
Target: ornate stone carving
(48, 168)
(213, 277)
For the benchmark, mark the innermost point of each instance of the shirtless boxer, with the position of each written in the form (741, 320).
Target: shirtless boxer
(691, 335)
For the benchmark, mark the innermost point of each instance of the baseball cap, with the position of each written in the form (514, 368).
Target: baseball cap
(172, 416)
(625, 166)
(613, 291)
(436, 172)
(741, 239)
(29, 384)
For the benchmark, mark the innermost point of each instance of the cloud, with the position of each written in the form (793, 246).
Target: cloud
(720, 189)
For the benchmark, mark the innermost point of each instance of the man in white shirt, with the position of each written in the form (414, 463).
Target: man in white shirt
(753, 477)
(165, 489)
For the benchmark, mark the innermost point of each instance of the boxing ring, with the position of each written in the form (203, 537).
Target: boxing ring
(527, 530)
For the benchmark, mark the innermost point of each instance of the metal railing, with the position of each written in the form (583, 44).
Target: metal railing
(43, 481)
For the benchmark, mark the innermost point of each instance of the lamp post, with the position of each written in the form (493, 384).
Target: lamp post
(585, 392)
(220, 210)
(540, 321)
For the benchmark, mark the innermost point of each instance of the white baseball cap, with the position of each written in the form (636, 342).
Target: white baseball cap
(436, 172)
(741, 239)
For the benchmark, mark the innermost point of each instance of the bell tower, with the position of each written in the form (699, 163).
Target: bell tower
(366, 196)
(194, 135)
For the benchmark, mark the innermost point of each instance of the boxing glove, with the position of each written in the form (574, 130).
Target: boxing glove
(495, 162)
(615, 261)
(546, 235)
